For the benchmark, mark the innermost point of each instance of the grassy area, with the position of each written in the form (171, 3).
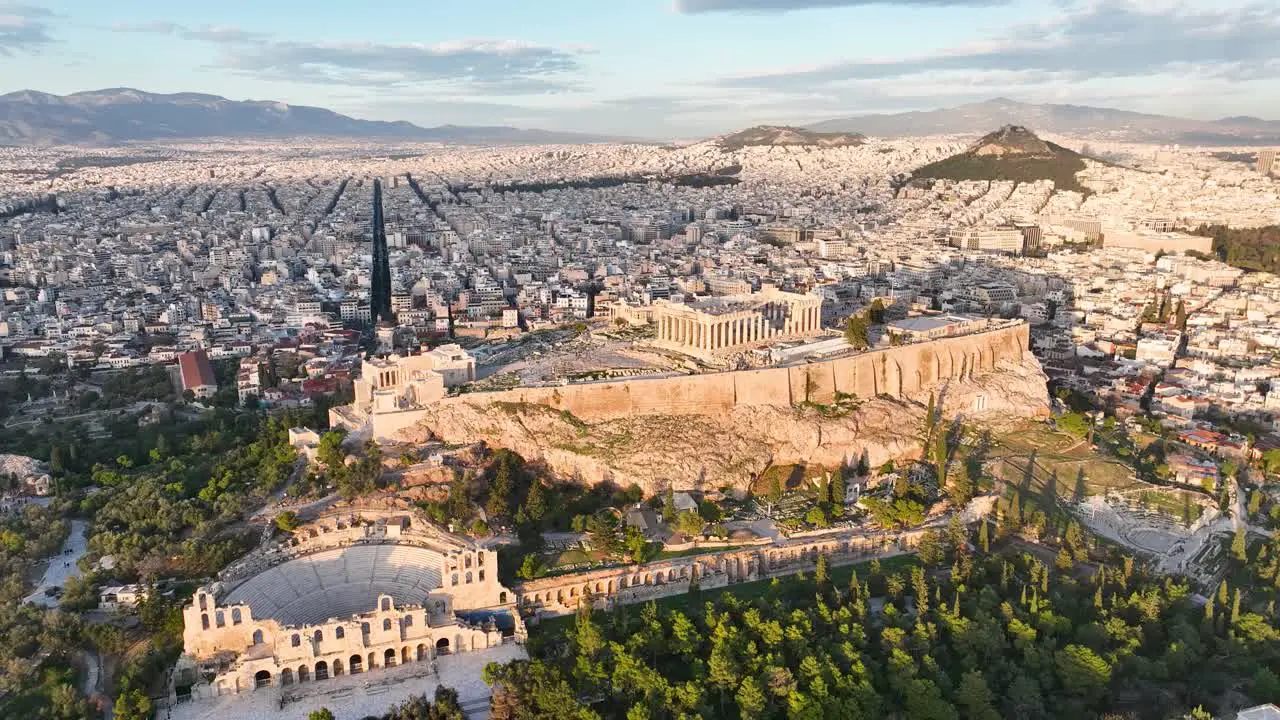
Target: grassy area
(1059, 454)
(1180, 504)
(549, 628)
(670, 554)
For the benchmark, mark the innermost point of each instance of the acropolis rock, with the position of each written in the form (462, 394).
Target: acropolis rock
(730, 446)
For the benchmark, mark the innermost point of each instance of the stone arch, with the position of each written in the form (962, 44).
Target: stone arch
(318, 636)
(442, 646)
(468, 578)
(286, 676)
(389, 658)
(386, 604)
(304, 673)
(322, 670)
(337, 668)
(354, 665)
(262, 679)
(236, 617)
(422, 653)
(502, 598)
(404, 655)
(386, 624)
(339, 633)
(373, 660)
(296, 640)
(257, 637)
(204, 621)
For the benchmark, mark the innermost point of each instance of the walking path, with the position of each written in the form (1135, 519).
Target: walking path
(62, 566)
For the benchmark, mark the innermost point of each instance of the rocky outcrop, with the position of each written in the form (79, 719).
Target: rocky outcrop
(731, 448)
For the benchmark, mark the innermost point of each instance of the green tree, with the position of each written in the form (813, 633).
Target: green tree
(752, 702)
(1083, 672)
(329, 450)
(133, 704)
(1239, 548)
(974, 697)
(690, 524)
(321, 714)
(856, 330)
(287, 521)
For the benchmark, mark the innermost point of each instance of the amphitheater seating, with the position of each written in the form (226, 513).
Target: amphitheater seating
(339, 583)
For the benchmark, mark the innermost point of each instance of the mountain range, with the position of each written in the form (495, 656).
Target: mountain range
(118, 115)
(1119, 125)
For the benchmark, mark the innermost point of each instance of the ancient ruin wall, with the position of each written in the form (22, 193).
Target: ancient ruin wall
(900, 372)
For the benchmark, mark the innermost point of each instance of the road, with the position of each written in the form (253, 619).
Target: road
(63, 565)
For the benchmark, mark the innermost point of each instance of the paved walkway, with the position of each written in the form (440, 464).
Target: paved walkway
(63, 565)
(352, 697)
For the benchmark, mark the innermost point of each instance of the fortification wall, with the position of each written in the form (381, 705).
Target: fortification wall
(900, 372)
(907, 372)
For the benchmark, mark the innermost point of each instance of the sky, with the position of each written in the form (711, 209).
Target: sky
(656, 68)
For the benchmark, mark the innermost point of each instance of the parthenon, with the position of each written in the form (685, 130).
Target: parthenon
(736, 321)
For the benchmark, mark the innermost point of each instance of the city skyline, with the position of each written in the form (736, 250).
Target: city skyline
(626, 70)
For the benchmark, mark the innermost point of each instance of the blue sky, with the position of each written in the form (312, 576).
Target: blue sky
(656, 68)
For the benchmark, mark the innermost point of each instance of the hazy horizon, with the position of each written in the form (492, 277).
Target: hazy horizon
(657, 68)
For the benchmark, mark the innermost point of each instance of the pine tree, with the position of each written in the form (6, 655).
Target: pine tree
(751, 699)
(535, 503)
(920, 586)
(1239, 549)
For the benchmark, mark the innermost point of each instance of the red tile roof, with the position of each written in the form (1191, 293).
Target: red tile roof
(196, 370)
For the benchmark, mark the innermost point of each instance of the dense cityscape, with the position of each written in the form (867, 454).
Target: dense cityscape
(961, 408)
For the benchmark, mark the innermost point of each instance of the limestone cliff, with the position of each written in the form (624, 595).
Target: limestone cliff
(711, 450)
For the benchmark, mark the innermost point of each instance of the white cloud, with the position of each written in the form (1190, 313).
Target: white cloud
(23, 28)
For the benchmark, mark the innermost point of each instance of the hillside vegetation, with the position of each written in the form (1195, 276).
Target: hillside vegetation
(1245, 248)
(1011, 153)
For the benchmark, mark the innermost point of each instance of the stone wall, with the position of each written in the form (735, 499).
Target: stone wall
(905, 372)
(640, 583)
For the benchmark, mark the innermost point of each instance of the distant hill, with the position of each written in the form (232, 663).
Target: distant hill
(1121, 125)
(122, 115)
(1010, 153)
(770, 135)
